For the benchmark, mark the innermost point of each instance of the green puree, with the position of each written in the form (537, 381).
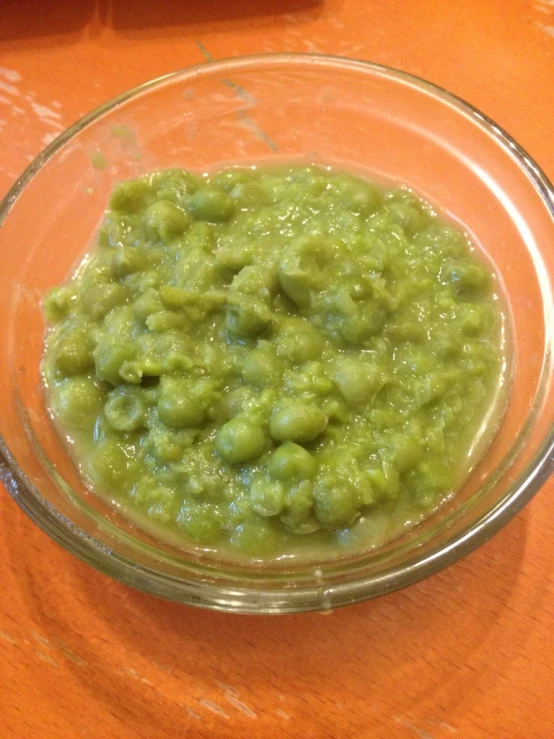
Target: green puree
(271, 361)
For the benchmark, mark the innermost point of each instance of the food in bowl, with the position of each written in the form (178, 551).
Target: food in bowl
(275, 361)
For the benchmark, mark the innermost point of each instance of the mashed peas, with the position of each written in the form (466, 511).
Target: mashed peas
(268, 362)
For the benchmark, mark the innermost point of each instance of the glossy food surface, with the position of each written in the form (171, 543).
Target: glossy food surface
(466, 653)
(266, 361)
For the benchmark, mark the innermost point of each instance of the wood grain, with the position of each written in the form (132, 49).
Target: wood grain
(467, 653)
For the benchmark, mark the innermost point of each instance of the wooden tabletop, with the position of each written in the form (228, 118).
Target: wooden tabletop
(467, 653)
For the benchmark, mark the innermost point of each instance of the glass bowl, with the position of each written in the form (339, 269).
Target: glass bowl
(353, 114)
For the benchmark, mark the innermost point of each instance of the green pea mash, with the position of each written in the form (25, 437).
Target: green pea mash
(271, 361)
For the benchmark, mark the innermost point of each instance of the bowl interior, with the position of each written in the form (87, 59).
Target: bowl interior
(360, 117)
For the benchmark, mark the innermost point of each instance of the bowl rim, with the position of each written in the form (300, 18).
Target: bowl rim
(302, 598)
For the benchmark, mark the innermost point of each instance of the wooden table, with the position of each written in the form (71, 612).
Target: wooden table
(468, 653)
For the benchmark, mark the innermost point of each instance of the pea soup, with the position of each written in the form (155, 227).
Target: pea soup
(272, 362)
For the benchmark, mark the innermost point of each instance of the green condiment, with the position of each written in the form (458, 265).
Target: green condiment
(274, 361)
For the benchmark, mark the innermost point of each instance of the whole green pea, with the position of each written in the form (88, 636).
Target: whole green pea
(298, 340)
(239, 440)
(365, 322)
(300, 422)
(182, 403)
(357, 381)
(201, 522)
(172, 342)
(121, 324)
(262, 368)
(73, 352)
(226, 179)
(250, 194)
(77, 401)
(291, 462)
(176, 183)
(235, 401)
(99, 300)
(336, 506)
(112, 466)
(358, 196)
(165, 221)
(466, 276)
(210, 204)
(131, 196)
(256, 537)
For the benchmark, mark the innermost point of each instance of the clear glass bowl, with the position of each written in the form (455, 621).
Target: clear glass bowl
(354, 114)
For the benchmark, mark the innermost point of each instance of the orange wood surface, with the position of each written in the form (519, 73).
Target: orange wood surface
(467, 653)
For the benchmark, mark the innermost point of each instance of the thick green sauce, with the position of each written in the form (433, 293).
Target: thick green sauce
(268, 361)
